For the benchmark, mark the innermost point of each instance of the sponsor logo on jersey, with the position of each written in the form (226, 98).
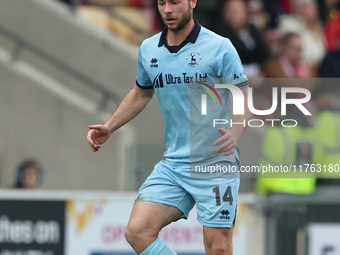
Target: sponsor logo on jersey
(154, 62)
(158, 81)
(170, 79)
(237, 76)
(225, 215)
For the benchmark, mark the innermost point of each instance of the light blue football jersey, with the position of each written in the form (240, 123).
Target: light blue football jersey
(180, 75)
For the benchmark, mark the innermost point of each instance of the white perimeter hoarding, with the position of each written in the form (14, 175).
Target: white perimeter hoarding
(323, 239)
(95, 226)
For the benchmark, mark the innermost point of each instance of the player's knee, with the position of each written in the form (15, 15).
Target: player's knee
(134, 234)
(219, 248)
(129, 235)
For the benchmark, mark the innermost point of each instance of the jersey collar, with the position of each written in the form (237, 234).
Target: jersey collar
(192, 37)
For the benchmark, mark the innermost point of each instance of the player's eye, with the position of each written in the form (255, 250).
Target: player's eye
(161, 3)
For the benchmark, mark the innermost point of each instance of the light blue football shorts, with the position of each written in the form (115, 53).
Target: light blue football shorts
(215, 197)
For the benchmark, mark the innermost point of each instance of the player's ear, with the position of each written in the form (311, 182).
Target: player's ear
(193, 3)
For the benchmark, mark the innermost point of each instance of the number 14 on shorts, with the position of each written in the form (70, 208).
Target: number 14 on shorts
(227, 197)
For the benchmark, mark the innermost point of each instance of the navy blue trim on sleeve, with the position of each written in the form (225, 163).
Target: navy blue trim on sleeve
(242, 84)
(143, 87)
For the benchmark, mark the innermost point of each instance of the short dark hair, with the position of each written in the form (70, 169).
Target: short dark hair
(29, 163)
(26, 164)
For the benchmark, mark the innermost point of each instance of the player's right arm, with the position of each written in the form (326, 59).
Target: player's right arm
(131, 106)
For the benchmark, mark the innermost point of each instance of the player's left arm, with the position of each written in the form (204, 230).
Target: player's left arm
(229, 138)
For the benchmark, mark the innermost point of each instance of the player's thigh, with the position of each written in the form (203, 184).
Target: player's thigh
(218, 240)
(150, 217)
(163, 186)
(160, 200)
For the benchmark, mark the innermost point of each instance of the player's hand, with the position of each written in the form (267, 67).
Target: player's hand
(228, 141)
(97, 135)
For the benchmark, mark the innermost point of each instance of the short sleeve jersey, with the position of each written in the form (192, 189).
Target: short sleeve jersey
(180, 75)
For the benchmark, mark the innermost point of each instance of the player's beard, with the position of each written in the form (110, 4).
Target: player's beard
(182, 22)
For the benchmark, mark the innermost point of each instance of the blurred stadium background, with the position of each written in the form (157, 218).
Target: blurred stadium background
(67, 64)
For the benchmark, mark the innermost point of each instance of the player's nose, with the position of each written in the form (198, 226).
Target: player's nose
(167, 8)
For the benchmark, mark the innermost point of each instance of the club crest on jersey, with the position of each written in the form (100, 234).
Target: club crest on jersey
(154, 62)
(193, 59)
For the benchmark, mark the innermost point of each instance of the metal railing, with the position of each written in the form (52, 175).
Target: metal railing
(287, 217)
(22, 44)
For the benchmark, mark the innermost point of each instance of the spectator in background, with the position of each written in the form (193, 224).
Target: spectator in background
(332, 28)
(325, 8)
(275, 8)
(284, 146)
(330, 66)
(288, 64)
(327, 129)
(245, 37)
(205, 12)
(28, 175)
(305, 22)
(257, 15)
